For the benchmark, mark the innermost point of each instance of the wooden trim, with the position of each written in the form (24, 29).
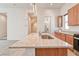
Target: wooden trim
(65, 14)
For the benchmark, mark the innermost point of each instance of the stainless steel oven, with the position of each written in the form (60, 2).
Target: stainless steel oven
(76, 42)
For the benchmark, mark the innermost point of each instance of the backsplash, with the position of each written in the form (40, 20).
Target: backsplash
(74, 28)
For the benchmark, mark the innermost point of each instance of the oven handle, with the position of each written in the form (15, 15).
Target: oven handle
(76, 38)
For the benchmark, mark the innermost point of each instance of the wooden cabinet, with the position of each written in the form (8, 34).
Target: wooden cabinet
(73, 18)
(75, 15)
(69, 39)
(62, 52)
(70, 17)
(45, 52)
(51, 51)
(56, 34)
(60, 35)
(65, 37)
(59, 21)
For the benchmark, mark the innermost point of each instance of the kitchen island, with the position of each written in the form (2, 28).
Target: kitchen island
(43, 47)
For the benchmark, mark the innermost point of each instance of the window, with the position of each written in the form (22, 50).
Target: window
(66, 21)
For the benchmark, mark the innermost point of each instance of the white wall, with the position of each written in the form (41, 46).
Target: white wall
(16, 23)
(64, 10)
(47, 12)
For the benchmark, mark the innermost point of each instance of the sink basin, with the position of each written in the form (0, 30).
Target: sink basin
(46, 37)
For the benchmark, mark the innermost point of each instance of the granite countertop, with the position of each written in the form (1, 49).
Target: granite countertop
(68, 32)
(35, 41)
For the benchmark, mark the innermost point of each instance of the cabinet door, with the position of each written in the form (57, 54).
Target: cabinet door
(55, 34)
(69, 39)
(70, 16)
(63, 37)
(60, 35)
(75, 15)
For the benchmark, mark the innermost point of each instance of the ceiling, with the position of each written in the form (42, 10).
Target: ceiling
(29, 5)
(48, 5)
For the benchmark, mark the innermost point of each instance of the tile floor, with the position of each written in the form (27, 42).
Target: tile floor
(6, 51)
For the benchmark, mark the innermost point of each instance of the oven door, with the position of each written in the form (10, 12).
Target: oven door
(76, 43)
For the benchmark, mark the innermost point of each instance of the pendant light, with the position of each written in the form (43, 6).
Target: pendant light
(34, 7)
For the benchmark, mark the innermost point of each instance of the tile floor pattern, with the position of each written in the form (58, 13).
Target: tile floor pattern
(6, 51)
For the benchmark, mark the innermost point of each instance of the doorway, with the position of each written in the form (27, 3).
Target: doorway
(32, 24)
(3, 26)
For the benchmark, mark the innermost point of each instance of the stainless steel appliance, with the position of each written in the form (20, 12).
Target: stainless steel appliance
(76, 42)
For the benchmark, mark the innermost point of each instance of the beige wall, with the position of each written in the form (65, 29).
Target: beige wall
(3, 25)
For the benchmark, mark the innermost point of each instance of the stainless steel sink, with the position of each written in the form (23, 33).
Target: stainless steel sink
(46, 37)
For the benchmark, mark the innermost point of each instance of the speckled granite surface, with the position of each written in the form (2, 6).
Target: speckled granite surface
(35, 41)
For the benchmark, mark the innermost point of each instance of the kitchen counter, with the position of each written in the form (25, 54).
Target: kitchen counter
(35, 41)
(69, 33)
